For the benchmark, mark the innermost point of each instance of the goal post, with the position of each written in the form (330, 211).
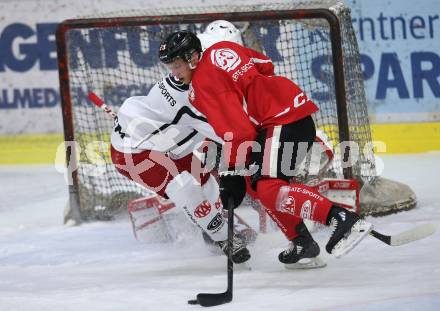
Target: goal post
(115, 56)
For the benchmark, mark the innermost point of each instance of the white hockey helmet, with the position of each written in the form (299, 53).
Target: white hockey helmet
(219, 30)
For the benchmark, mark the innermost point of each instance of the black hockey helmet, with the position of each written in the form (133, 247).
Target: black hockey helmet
(179, 44)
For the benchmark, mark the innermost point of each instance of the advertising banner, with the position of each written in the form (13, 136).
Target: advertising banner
(399, 44)
(400, 50)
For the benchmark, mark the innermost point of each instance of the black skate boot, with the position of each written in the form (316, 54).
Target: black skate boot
(241, 229)
(303, 251)
(240, 253)
(348, 230)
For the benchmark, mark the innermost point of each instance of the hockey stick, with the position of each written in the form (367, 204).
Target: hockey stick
(215, 299)
(95, 99)
(417, 233)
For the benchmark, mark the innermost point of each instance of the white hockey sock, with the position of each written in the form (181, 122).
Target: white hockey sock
(187, 193)
(211, 191)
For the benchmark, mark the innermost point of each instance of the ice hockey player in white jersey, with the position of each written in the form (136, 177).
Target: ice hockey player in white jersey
(152, 143)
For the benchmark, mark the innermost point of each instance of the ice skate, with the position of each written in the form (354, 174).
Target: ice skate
(240, 253)
(303, 251)
(348, 231)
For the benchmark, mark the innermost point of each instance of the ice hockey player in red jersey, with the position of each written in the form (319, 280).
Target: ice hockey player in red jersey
(153, 141)
(237, 90)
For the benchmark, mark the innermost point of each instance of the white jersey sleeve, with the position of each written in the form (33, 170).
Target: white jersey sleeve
(164, 121)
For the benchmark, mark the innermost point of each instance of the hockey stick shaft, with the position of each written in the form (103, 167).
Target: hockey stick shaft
(230, 264)
(215, 299)
(414, 234)
(97, 101)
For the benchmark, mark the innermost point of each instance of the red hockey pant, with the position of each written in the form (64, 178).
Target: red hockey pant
(284, 148)
(154, 170)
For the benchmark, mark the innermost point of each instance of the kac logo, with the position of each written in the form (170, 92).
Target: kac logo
(226, 59)
(288, 205)
(202, 210)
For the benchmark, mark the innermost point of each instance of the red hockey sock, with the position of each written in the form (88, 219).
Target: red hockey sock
(267, 191)
(296, 202)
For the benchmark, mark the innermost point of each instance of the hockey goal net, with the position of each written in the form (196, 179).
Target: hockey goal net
(115, 56)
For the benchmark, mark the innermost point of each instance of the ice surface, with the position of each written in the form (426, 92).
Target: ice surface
(100, 266)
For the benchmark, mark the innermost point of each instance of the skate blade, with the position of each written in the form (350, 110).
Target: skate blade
(358, 233)
(306, 263)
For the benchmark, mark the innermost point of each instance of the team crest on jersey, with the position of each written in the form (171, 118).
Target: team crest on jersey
(226, 59)
(288, 205)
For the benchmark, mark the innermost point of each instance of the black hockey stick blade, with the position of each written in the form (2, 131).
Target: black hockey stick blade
(405, 237)
(382, 237)
(210, 300)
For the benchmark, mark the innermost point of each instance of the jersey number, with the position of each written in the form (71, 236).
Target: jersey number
(118, 129)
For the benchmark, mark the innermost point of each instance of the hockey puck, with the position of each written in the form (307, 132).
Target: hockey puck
(193, 302)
